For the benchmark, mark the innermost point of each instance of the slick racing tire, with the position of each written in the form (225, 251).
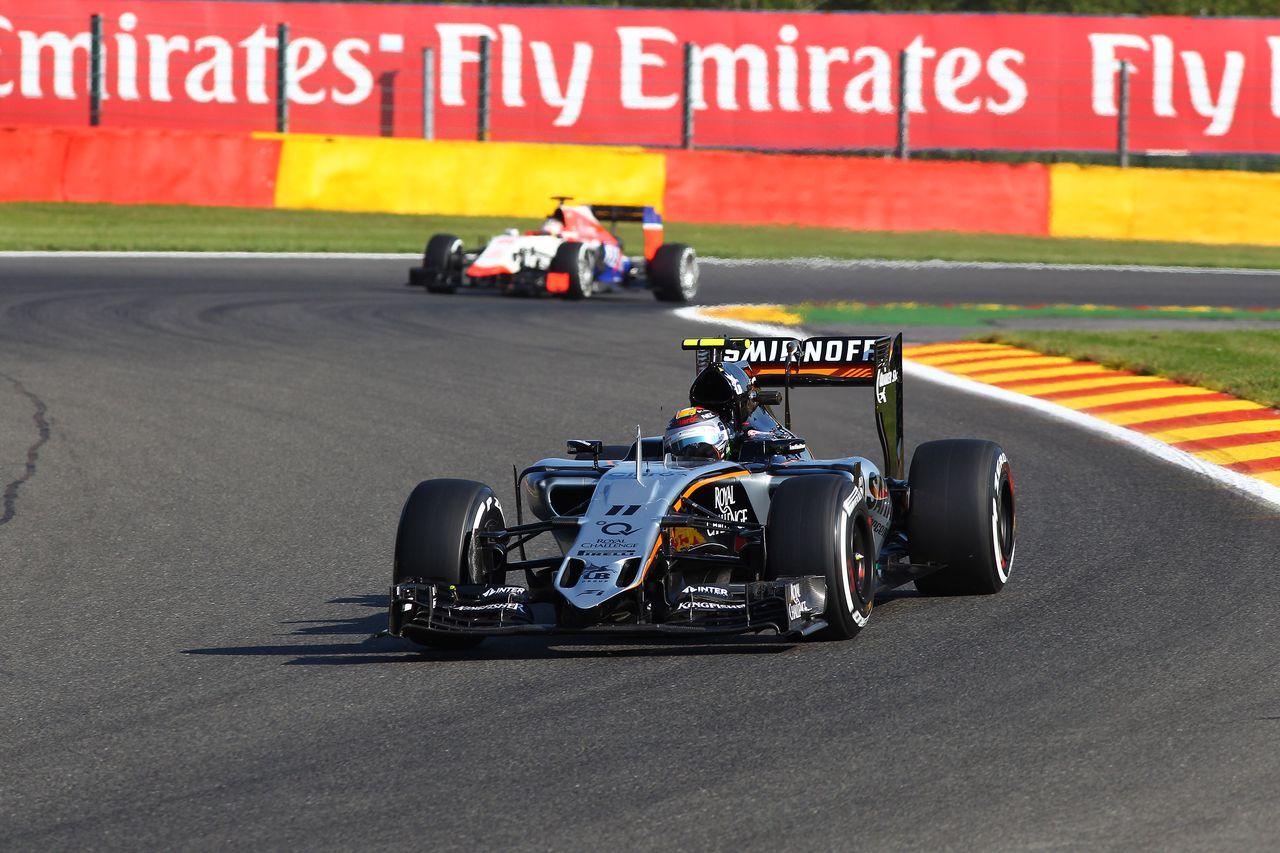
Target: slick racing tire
(673, 273)
(442, 263)
(962, 515)
(578, 261)
(818, 525)
(435, 544)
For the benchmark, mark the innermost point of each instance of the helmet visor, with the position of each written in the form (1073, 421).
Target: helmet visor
(704, 440)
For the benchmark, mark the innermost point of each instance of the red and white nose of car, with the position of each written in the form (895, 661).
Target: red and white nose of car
(500, 257)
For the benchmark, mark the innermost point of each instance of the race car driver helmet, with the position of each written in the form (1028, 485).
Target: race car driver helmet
(696, 433)
(552, 226)
(724, 388)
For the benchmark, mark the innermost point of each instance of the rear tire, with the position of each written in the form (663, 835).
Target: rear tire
(962, 515)
(818, 525)
(442, 264)
(435, 544)
(673, 273)
(578, 262)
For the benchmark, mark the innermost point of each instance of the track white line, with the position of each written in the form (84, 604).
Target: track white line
(694, 313)
(806, 263)
(1242, 483)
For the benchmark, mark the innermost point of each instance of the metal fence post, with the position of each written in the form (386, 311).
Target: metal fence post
(482, 120)
(428, 93)
(282, 78)
(1122, 117)
(686, 115)
(902, 151)
(95, 70)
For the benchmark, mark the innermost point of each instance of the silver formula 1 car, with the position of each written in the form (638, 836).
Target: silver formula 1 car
(771, 540)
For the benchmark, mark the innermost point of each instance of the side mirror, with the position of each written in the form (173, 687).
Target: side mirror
(768, 398)
(784, 446)
(764, 449)
(580, 446)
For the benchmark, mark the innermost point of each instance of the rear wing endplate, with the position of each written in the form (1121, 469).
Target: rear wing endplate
(650, 219)
(860, 361)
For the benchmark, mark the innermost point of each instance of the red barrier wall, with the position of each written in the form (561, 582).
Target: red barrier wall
(856, 193)
(179, 167)
(138, 167)
(31, 164)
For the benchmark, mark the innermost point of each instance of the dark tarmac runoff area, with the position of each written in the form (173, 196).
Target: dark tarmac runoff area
(204, 463)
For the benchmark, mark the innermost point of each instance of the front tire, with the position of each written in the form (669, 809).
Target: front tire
(442, 264)
(673, 273)
(578, 262)
(962, 515)
(435, 543)
(818, 525)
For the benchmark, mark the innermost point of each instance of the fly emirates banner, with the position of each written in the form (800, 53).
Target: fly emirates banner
(759, 80)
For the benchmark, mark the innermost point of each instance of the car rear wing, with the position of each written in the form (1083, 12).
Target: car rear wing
(648, 217)
(859, 361)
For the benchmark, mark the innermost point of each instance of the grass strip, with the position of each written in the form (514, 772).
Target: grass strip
(104, 227)
(976, 314)
(1245, 363)
(109, 227)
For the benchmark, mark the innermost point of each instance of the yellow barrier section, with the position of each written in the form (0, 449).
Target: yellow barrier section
(459, 178)
(1164, 204)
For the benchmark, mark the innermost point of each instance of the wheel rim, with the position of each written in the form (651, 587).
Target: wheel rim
(585, 273)
(858, 571)
(688, 275)
(481, 561)
(1002, 528)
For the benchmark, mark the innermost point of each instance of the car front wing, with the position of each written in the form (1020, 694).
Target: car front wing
(790, 607)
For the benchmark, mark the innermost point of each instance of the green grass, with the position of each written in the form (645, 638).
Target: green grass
(64, 227)
(921, 314)
(1245, 363)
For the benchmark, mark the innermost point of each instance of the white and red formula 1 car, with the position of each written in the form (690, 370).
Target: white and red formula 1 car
(572, 255)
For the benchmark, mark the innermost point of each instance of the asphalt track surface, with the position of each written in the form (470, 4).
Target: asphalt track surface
(206, 462)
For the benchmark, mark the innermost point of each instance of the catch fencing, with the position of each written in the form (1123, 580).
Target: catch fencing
(830, 82)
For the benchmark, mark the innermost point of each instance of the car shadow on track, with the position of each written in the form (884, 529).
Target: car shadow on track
(371, 647)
